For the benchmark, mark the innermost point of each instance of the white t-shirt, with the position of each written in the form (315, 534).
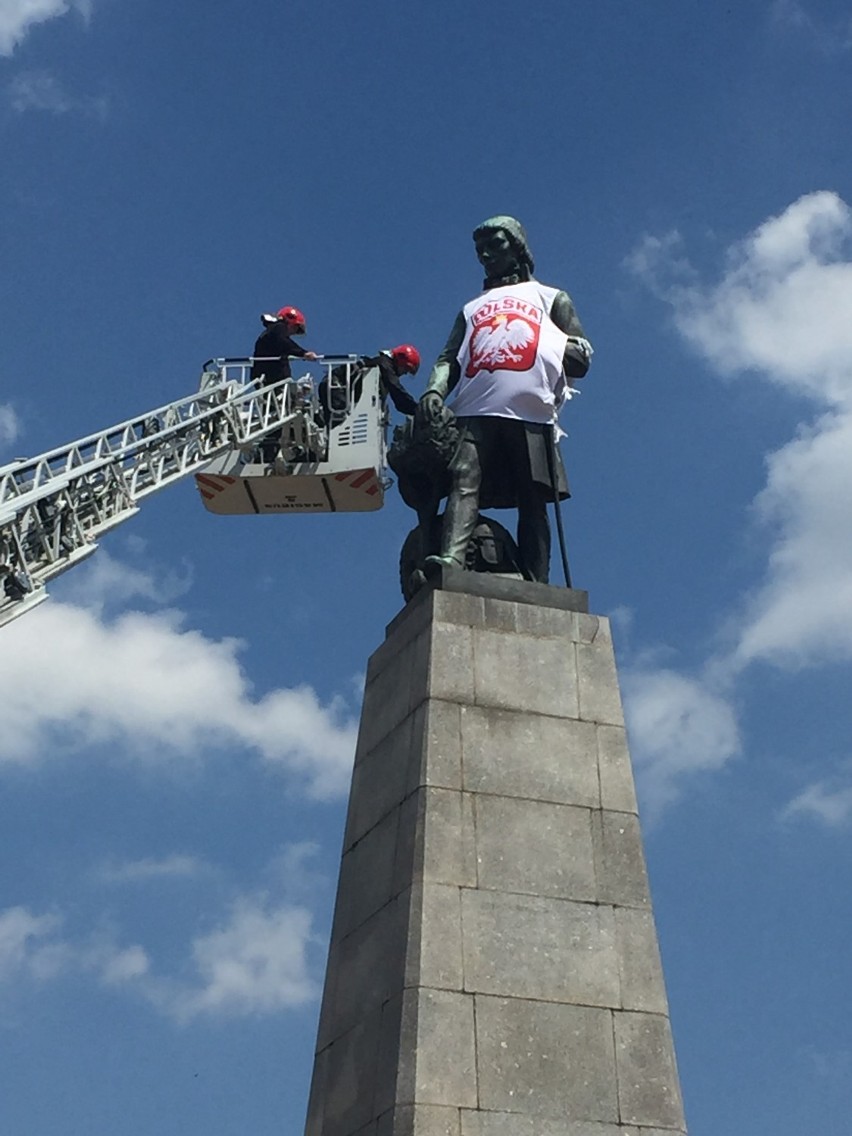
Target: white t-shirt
(511, 355)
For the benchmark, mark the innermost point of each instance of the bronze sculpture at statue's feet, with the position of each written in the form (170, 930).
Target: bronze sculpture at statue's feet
(509, 360)
(490, 549)
(421, 455)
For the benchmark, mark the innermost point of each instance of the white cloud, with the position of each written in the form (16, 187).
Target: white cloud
(678, 727)
(789, 13)
(255, 963)
(18, 17)
(140, 871)
(661, 264)
(122, 966)
(779, 314)
(42, 91)
(33, 947)
(108, 582)
(260, 958)
(829, 803)
(781, 307)
(802, 613)
(291, 871)
(830, 1064)
(10, 427)
(22, 941)
(38, 90)
(147, 685)
(829, 37)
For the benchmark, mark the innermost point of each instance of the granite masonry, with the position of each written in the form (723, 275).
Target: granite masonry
(493, 968)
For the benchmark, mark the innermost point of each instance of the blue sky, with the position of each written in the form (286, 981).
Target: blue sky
(178, 720)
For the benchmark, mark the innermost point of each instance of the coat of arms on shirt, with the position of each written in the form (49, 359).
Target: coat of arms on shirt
(505, 336)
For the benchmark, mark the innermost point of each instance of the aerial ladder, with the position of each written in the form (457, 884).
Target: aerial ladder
(292, 446)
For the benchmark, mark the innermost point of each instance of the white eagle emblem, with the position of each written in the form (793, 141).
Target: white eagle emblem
(503, 343)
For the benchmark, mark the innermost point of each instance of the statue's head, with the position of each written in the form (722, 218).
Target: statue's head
(503, 249)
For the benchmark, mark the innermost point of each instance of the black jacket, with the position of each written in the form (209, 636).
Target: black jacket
(272, 352)
(391, 386)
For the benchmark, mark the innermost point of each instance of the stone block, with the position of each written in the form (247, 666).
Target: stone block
(619, 860)
(529, 755)
(551, 950)
(369, 968)
(588, 627)
(389, 695)
(509, 670)
(534, 847)
(316, 1099)
(648, 1090)
(326, 1025)
(444, 848)
(618, 791)
(446, 670)
(600, 700)
(367, 876)
(434, 956)
(436, 742)
(514, 1124)
(493, 586)
(390, 1058)
(379, 781)
(459, 607)
(546, 623)
(420, 673)
(437, 1063)
(420, 1120)
(409, 622)
(651, 1131)
(470, 863)
(349, 1079)
(498, 615)
(542, 1059)
(641, 972)
(408, 841)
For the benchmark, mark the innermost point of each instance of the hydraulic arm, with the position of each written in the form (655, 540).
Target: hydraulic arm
(54, 507)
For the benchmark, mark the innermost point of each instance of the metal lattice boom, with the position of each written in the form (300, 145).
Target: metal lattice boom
(53, 507)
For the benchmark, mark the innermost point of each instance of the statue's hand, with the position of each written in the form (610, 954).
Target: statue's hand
(430, 406)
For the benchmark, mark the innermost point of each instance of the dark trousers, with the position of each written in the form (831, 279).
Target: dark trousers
(497, 443)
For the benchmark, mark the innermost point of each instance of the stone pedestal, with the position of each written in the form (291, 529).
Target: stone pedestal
(493, 968)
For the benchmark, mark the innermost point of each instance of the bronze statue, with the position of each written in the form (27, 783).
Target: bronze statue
(508, 360)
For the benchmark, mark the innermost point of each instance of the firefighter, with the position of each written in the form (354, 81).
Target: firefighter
(273, 350)
(392, 363)
(275, 346)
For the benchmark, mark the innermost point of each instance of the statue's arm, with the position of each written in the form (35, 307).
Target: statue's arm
(446, 372)
(578, 350)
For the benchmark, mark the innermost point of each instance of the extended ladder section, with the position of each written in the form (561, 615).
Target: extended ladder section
(53, 507)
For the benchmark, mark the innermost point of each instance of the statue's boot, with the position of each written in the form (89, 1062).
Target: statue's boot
(459, 522)
(433, 564)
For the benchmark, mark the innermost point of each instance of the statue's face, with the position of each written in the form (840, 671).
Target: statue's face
(496, 252)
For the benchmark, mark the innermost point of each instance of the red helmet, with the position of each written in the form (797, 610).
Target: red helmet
(406, 358)
(293, 318)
